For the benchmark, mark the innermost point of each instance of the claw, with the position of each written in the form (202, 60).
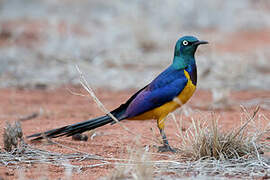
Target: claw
(166, 148)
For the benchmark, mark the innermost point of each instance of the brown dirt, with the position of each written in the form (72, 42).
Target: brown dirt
(58, 107)
(244, 41)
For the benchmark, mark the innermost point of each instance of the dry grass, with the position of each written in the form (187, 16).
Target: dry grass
(202, 141)
(201, 161)
(17, 153)
(207, 150)
(26, 154)
(137, 167)
(12, 136)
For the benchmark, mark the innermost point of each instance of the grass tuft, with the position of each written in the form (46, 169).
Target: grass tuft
(201, 141)
(12, 136)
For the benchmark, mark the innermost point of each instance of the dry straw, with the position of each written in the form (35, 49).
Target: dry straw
(202, 141)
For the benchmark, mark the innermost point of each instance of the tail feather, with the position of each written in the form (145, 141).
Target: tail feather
(85, 125)
(74, 128)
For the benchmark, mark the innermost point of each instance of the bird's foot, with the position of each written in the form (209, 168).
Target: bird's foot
(166, 148)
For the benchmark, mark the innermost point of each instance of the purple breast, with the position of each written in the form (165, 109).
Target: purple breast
(192, 71)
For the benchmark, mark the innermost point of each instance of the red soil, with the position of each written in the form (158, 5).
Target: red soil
(244, 42)
(58, 107)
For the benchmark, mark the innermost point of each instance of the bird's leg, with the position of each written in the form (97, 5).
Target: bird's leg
(166, 147)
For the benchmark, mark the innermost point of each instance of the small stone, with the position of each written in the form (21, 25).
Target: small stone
(79, 137)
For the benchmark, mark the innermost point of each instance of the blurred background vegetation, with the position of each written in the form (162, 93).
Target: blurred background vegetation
(124, 44)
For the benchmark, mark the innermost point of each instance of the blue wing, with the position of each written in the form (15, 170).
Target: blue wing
(161, 90)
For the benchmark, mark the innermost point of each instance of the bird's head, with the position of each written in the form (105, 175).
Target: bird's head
(186, 46)
(185, 49)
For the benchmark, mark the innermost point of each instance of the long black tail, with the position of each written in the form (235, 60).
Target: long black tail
(81, 127)
(74, 128)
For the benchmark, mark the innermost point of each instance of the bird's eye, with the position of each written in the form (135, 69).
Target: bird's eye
(185, 42)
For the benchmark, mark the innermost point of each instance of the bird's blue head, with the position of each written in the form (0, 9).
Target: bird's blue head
(185, 49)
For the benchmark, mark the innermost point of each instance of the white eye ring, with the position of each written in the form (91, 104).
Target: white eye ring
(185, 42)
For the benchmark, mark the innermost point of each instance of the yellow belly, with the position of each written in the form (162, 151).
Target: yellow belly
(165, 109)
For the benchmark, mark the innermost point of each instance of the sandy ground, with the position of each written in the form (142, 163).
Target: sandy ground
(58, 107)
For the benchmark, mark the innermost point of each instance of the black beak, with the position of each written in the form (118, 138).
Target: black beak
(200, 42)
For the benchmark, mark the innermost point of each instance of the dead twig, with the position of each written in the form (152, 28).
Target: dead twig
(29, 117)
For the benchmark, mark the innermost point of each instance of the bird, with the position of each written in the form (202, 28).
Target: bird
(168, 91)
